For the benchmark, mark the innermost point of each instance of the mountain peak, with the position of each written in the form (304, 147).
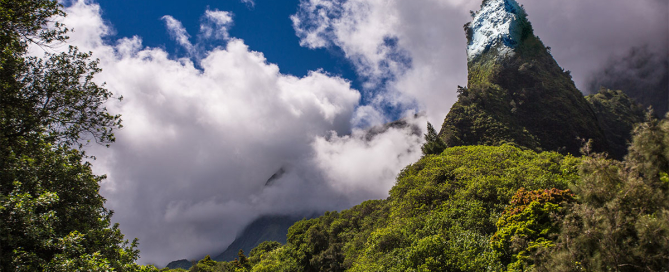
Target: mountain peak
(516, 92)
(498, 25)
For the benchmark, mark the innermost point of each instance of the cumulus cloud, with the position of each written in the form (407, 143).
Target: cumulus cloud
(583, 34)
(202, 136)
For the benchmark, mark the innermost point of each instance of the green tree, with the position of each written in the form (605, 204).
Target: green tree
(52, 217)
(241, 263)
(433, 143)
(440, 215)
(531, 223)
(53, 97)
(263, 248)
(207, 265)
(621, 221)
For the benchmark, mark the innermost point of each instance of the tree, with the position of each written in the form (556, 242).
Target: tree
(263, 248)
(53, 97)
(433, 143)
(206, 265)
(51, 214)
(241, 263)
(528, 225)
(621, 220)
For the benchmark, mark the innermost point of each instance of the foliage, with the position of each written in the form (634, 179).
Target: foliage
(241, 263)
(617, 114)
(530, 223)
(440, 215)
(52, 217)
(53, 97)
(206, 265)
(621, 222)
(433, 143)
(262, 249)
(450, 212)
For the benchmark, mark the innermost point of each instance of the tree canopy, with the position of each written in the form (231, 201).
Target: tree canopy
(52, 217)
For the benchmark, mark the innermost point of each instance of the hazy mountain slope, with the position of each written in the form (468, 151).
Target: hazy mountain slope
(617, 114)
(266, 228)
(641, 73)
(183, 264)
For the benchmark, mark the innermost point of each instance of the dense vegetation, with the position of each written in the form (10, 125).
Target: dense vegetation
(617, 114)
(51, 215)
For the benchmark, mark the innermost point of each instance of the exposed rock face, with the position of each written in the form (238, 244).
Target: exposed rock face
(516, 92)
(498, 25)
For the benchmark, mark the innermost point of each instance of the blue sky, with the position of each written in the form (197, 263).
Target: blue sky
(264, 26)
(204, 129)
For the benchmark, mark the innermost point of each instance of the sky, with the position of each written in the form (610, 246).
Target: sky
(221, 94)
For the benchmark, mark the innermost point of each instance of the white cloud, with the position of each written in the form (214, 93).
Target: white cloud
(361, 167)
(199, 142)
(409, 44)
(178, 32)
(216, 24)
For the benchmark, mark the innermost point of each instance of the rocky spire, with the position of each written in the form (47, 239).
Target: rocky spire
(516, 92)
(497, 27)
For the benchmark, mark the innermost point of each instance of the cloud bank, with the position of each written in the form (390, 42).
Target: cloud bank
(202, 135)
